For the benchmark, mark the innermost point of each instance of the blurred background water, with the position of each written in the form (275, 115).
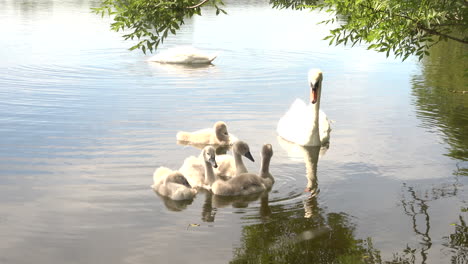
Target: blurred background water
(84, 123)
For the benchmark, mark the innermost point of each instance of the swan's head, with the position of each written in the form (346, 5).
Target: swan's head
(267, 150)
(209, 154)
(315, 82)
(177, 177)
(221, 131)
(243, 149)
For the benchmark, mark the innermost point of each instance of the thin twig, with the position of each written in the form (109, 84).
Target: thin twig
(199, 4)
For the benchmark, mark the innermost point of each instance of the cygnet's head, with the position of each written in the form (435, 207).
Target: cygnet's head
(315, 83)
(177, 177)
(221, 131)
(209, 154)
(243, 149)
(267, 150)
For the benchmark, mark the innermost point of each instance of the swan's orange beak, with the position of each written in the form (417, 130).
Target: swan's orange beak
(313, 94)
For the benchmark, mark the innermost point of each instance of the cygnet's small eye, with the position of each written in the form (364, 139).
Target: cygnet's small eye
(225, 133)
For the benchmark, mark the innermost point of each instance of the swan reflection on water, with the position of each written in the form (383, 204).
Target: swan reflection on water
(310, 156)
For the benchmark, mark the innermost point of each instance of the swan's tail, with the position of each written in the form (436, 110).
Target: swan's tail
(184, 136)
(212, 57)
(159, 175)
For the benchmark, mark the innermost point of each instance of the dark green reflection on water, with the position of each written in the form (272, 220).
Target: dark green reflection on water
(458, 242)
(288, 237)
(441, 96)
(308, 233)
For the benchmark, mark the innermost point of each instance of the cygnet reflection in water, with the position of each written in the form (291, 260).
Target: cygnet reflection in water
(174, 205)
(241, 201)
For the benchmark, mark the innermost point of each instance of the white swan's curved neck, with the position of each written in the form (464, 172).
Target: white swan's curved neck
(315, 135)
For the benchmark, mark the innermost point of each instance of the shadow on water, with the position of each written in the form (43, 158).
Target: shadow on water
(440, 95)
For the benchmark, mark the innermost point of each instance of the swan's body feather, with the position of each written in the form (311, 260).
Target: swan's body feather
(243, 184)
(227, 166)
(218, 135)
(194, 171)
(297, 124)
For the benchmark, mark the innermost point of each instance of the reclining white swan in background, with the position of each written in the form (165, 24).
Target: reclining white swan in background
(247, 183)
(172, 184)
(199, 170)
(230, 166)
(303, 124)
(218, 135)
(183, 55)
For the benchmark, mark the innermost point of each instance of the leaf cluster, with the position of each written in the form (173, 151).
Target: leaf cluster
(402, 28)
(151, 21)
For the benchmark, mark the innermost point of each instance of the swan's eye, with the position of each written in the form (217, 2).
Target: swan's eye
(316, 86)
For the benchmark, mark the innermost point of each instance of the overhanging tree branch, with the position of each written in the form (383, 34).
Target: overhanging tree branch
(419, 25)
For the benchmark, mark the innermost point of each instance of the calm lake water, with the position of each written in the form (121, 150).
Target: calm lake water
(84, 123)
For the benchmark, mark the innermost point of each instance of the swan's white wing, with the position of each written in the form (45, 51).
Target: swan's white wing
(296, 124)
(324, 127)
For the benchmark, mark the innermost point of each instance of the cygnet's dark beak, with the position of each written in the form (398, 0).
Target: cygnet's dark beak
(249, 156)
(213, 162)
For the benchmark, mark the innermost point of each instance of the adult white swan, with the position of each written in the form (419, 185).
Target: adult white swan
(305, 124)
(183, 55)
